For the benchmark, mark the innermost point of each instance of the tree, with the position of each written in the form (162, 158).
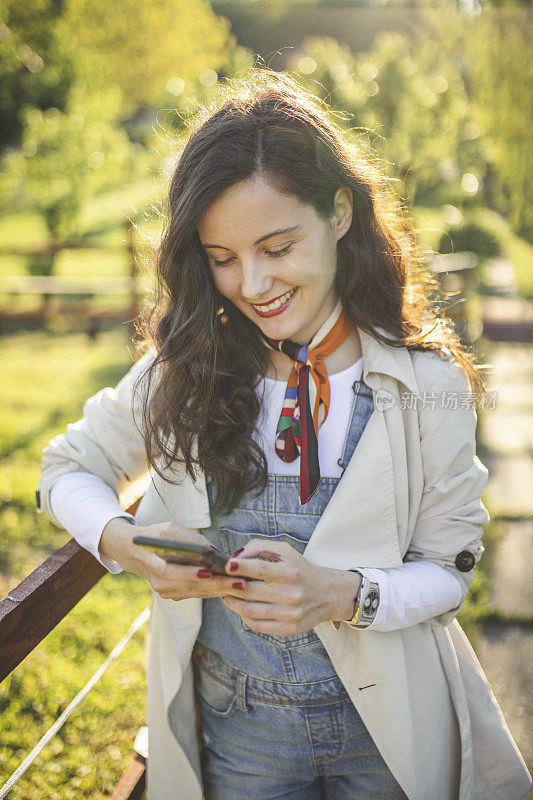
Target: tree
(408, 101)
(68, 156)
(144, 43)
(493, 50)
(36, 68)
(139, 46)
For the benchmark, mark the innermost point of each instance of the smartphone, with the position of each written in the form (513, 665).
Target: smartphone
(176, 552)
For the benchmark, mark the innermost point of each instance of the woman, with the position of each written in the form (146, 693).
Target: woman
(278, 406)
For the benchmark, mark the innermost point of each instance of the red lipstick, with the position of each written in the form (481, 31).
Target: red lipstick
(276, 311)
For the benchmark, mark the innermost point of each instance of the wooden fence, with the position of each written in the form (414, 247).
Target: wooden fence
(50, 287)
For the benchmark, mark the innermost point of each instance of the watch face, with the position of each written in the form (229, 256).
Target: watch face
(370, 604)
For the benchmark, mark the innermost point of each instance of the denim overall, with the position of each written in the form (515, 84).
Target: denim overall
(276, 720)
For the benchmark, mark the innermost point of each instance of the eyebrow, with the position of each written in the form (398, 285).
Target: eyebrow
(294, 229)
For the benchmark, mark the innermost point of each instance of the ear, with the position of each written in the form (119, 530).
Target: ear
(343, 211)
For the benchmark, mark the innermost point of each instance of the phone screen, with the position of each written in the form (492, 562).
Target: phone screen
(176, 552)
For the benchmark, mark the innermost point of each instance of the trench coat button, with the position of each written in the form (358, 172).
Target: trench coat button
(465, 561)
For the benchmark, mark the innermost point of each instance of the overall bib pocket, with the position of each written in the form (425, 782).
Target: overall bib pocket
(231, 541)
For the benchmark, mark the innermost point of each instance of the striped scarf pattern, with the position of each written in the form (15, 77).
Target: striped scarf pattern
(307, 398)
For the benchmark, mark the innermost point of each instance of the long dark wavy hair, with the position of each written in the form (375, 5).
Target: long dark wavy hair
(202, 407)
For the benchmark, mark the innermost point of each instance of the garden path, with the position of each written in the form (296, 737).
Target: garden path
(505, 646)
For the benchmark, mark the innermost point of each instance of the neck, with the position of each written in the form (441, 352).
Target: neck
(344, 356)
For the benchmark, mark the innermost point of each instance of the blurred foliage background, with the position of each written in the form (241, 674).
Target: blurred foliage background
(93, 99)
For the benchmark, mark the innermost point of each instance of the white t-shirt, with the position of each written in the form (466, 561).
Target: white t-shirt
(331, 434)
(412, 593)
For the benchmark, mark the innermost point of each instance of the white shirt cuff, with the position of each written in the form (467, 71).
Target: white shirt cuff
(415, 592)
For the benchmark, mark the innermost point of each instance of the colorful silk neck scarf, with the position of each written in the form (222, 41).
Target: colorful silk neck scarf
(297, 430)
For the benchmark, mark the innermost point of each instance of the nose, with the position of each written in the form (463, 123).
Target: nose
(256, 280)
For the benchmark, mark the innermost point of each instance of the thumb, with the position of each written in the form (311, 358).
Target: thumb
(262, 548)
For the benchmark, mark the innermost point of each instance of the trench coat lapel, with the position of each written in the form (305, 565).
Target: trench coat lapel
(382, 359)
(347, 532)
(359, 525)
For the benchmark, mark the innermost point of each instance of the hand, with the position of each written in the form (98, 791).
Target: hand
(289, 594)
(170, 581)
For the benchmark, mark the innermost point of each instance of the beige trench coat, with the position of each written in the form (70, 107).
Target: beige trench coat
(411, 491)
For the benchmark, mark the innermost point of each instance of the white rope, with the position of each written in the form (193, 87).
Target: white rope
(53, 729)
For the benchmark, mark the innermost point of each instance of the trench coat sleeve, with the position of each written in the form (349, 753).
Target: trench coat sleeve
(451, 514)
(106, 441)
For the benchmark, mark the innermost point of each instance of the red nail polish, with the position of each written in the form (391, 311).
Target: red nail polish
(239, 585)
(204, 573)
(233, 566)
(236, 553)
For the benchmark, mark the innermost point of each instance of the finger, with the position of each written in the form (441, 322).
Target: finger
(176, 532)
(263, 592)
(175, 574)
(262, 570)
(179, 572)
(265, 548)
(198, 587)
(208, 588)
(255, 611)
(263, 552)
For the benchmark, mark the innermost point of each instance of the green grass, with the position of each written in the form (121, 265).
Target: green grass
(471, 613)
(105, 212)
(117, 205)
(46, 380)
(477, 610)
(92, 749)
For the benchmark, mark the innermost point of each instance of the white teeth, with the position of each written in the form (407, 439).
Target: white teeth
(277, 303)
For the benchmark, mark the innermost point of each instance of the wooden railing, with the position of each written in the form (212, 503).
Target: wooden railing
(35, 607)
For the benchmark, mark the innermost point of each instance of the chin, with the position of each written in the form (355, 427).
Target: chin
(284, 331)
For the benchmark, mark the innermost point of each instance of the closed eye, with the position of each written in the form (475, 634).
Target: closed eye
(270, 253)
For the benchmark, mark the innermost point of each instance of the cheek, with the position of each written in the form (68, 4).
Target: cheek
(313, 265)
(226, 283)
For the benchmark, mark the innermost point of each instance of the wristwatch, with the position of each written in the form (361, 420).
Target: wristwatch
(366, 603)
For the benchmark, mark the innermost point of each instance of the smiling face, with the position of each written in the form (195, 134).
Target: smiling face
(274, 258)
